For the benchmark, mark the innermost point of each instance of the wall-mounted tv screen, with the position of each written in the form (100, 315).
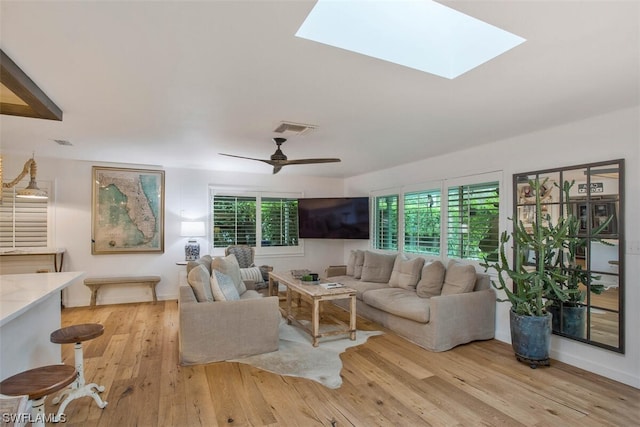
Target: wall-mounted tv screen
(334, 218)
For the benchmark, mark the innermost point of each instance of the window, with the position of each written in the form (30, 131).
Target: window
(472, 224)
(422, 222)
(279, 222)
(234, 221)
(386, 222)
(254, 219)
(23, 222)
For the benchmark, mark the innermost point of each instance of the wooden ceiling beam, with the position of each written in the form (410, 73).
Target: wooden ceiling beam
(39, 105)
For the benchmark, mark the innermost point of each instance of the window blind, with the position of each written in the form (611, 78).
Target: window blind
(422, 222)
(386, 222)
(23, 222)
(472, 212)
(279, 221)
(234, 220)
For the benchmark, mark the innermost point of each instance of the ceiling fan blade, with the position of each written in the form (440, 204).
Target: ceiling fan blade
(270, 162)
(276, 169)
(310, 161)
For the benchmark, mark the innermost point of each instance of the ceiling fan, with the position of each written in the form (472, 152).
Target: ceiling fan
(279, 159)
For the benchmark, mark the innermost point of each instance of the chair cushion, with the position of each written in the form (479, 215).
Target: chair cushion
(432, 279)
(198, 278)
(399, 302)
(252, 273)
(406, 272)
(229, 266)
(377, 267)
(222, 287)
(459, 278)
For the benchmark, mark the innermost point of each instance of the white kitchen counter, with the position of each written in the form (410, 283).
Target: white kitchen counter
(29, 312)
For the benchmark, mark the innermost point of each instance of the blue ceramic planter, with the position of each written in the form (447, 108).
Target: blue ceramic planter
(531, 338)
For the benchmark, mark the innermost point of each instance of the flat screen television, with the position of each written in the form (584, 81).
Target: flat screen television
(334, 218)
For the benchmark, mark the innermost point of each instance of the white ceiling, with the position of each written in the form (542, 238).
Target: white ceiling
(174, 83)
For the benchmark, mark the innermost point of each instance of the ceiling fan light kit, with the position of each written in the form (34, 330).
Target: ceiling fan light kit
(279, 159)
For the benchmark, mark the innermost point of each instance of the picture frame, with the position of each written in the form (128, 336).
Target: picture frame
(127, 210)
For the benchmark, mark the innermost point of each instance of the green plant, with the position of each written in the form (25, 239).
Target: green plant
(534, 289)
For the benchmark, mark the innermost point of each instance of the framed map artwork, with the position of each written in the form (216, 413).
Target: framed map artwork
(127, 211)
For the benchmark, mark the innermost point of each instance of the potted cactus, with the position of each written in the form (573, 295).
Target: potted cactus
(531, 289)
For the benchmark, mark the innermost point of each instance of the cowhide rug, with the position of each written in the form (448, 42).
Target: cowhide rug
(296, 356)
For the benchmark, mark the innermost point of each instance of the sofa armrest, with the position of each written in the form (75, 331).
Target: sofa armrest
(335, 270)
(223, 330)
(461, 318)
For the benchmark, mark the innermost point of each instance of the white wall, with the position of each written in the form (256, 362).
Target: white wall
(607, 137)
(186, 193)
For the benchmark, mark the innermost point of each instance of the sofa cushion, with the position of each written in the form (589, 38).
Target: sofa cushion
(204, 260)
(229, 265)
(358, 262)
(399, 302)
(459, 278)
(198, 279)
(252, 273)
(360, 286)
(377, 267)
(351, 263)
(406, 272)
(431, 280)
(223, 288)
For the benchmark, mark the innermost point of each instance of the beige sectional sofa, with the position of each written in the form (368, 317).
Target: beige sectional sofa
(214, 327)
(435, 307)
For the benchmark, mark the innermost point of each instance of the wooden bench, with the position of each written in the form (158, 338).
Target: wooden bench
(95, 283)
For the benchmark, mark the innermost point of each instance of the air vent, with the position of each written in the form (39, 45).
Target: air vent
(294, 128)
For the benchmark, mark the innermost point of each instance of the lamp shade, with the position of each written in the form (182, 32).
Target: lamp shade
(192, 229)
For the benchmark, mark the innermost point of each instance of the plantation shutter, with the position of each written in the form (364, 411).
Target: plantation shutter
(473, 212)
(386, 222)
(422, 222)
(279, 221)
(23, 222)
(234, 221)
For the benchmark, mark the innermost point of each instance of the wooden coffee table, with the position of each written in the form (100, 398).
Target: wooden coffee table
(314, 294)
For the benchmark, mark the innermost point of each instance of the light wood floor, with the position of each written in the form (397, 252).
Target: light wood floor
(386, 382)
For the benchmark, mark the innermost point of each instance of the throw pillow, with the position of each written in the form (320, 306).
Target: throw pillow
(198, 279)
(431, 281)
(252, 273)
(406, 272)
(459, 278)
(223, 288)
(229, 266)
(204, 260)
(377, 267)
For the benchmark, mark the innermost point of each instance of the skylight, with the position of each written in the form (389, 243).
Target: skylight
(419, 34)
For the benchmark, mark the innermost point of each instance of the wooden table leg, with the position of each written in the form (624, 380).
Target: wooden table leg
(289, 296)
(315, 321)
(352, 319)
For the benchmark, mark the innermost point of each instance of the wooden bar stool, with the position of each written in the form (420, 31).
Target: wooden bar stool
(38, 383)
(77, 334)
